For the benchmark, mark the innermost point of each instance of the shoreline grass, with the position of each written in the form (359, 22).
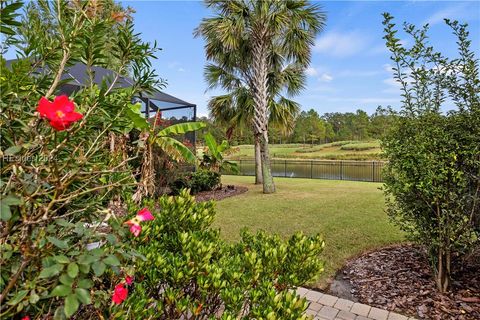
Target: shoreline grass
(339, 150)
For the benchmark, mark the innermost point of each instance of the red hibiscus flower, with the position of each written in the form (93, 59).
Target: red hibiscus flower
(26, 318)
(119, 294)
(129, 280)
(60, 113)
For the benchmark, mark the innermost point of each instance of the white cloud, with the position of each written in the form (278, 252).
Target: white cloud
(404, 42)
(458, 11)
(392, 82)
(388, 67)
(177, 66)
(393, 86)
(382, 48)
(311, 71)
(325, 77)
(341, 44)
(316, 72)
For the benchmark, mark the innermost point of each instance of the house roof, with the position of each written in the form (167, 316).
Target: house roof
(76, 76)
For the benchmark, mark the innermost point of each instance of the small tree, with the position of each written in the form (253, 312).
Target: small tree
(433, 174)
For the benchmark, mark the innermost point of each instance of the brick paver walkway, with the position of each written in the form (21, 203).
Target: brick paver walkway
(327, 307)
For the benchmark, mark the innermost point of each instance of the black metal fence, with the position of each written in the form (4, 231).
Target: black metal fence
(319, 169)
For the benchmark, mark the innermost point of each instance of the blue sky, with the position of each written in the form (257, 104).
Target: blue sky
(349, 68)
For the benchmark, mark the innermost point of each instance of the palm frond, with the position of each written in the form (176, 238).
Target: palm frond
(283, 114)
(218, 76)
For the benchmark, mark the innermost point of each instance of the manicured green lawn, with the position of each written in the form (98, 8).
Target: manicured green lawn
(349, 215)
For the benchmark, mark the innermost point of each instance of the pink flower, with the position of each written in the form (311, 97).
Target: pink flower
(135, 227)
(134, 223)
(129, 280)
(60, 113)
(119, 294)
(145, 215)
(26, 318)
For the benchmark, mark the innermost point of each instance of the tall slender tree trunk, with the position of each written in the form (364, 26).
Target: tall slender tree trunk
(268, 184)
(442, 253)
(260, 97)
(442, 272)
(258, 160)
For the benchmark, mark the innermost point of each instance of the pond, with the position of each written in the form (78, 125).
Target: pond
(319, 169)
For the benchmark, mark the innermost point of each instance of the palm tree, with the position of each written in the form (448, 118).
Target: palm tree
(246, 37)
(236, 110)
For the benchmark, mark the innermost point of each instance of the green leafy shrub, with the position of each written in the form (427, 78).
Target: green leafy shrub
(189, 270)
(198, 181)
(433, 173)
(182, 182)
(204, 180)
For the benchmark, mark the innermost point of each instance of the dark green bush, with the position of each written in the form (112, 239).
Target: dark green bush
(182, 182)
(204, 180)
(198, 181)
(189, 270)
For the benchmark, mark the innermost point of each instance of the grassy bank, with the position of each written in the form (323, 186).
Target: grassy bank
(349, 215)
(341, 150)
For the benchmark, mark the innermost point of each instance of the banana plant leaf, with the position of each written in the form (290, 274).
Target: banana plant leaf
(212, 146)
(181, 128)
(176, 149)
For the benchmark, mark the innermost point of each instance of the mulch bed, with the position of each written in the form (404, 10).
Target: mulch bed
(220, 193)
(398, 278)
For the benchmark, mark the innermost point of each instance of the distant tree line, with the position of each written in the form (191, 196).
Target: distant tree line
(312, 128)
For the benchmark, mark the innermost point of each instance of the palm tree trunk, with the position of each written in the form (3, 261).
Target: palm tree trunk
(268, 184)
(258, 161)
(260, 71)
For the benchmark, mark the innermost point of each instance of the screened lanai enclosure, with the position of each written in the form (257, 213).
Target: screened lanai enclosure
(171, 110)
